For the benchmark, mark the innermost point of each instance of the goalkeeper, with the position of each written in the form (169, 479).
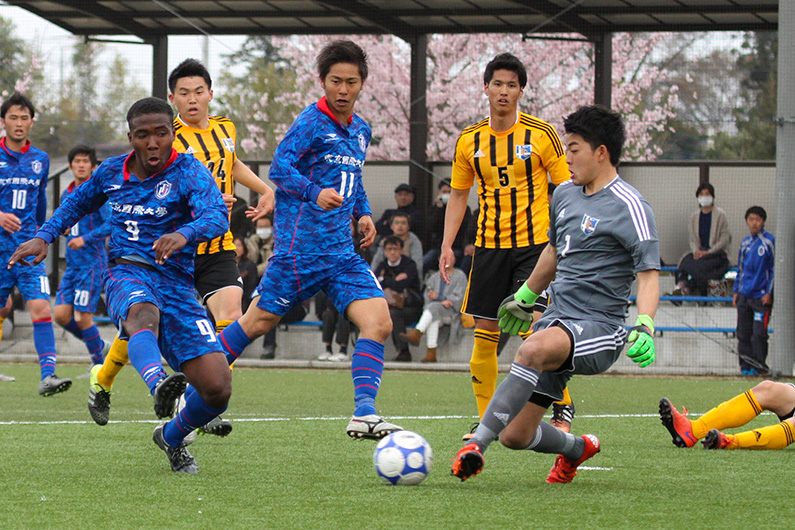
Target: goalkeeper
(602, 236)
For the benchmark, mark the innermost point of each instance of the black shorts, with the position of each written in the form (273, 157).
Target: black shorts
(496, 273)
(215, 272)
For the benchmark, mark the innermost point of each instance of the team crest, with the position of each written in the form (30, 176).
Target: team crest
(162, 189)
(36, 166)
(588, 224)
(523, 152)
(229, 144)
(362, 142)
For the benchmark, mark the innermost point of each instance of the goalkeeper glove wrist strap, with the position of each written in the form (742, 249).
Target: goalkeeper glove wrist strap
(645, 320)
(525, 295)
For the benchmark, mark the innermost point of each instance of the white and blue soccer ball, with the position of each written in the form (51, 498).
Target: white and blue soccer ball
(403, 458)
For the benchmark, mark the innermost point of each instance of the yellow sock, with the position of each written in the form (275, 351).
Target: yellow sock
(114, 362)
(736, 412)
(566, 398)
(771, 437)
(219, 327)
(483, 367)
(2, 319)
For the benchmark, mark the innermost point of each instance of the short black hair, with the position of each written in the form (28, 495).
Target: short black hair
(444, 182)
(400, 214)
(758, 210)
(189, 68)
(393, 240)
(82, 149)
(706, 186)
(17, 98)
(341, 51)
(149, 106)
(506, 61)
(598, 125)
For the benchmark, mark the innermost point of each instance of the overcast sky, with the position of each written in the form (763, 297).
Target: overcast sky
(55, 45)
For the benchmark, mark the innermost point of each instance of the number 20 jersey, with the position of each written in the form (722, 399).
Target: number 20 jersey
(318, 153)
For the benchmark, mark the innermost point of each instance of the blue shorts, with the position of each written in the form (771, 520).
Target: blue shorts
(31, 281)
(291, 279)
(80, 288)
(185, 331)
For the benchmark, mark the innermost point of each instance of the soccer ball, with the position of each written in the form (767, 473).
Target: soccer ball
(403, 458)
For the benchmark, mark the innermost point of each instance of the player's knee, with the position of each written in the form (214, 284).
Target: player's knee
(377, 329)
(513, 440)
(61, 317)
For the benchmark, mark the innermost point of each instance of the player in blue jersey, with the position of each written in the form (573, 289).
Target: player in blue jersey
(23, 205)
(86, 261)
(162, 205)
(602, 235)
(317, 169)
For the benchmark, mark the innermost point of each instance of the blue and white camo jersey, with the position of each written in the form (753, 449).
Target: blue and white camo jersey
(23, 191)
(182, 197)
(602, 240)
(318, 152)
(94, 229)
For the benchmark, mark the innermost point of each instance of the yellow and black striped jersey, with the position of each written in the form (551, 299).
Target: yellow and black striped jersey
(215, 148)
(511, 170)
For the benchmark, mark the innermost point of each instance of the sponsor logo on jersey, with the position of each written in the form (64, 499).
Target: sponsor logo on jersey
(479, 154)
(578, 328)
(229, 144)
(588, 224)
(162, 189)
(503, 417)
(523, 152)
(283, 302)
(343, 160)
(362, 142)
(330, 137)
(190, 150)
(136, 294)
(36, 166)
(561, 214)
(3, 165)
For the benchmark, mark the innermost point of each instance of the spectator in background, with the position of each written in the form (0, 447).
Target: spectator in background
(248, 271)
(753, 292)
(463, 239)
(260, 243)
(404, 198)
(412, 246)
(399, 279)
(709, 241)
(333, 323)
(239, 223)
(442, 303)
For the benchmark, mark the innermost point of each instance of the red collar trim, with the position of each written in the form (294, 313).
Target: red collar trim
(25, 147)
(171, 159)
(324, 108)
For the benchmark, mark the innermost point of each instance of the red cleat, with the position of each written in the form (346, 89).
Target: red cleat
(677, 424)
(718, 440)
(565, 470)
(468, 462)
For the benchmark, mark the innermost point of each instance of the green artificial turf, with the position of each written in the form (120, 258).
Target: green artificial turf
(289, 464)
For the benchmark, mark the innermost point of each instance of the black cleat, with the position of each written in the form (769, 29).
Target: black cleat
(167, 393)
(179, 457)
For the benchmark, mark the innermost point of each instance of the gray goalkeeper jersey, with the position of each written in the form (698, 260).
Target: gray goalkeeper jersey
(602, 240)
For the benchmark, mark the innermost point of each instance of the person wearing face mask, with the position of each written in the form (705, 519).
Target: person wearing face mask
(465, 237)
(709, 241)
(260, 244)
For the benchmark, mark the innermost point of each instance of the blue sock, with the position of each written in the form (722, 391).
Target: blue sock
(195, 414)
(144, 354)
(44, 340)
(74, 329)
(94, 343)
(367, 366)
(233, 340)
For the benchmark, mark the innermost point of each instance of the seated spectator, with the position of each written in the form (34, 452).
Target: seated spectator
(248, 271)
(464, 237)
(333, 323)
(709, 241)
(295, 314)
(442, 305)
(404, 198)
(399, 279)
(260, 244)
(412, 247)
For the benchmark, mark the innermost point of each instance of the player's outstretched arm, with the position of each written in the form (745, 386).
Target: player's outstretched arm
(244, 176)
(32, 247)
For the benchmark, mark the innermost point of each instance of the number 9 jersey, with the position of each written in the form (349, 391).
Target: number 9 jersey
(319, 153)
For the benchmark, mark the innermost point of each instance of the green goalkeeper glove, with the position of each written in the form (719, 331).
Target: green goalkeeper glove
(642, 335)
(516, 311)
